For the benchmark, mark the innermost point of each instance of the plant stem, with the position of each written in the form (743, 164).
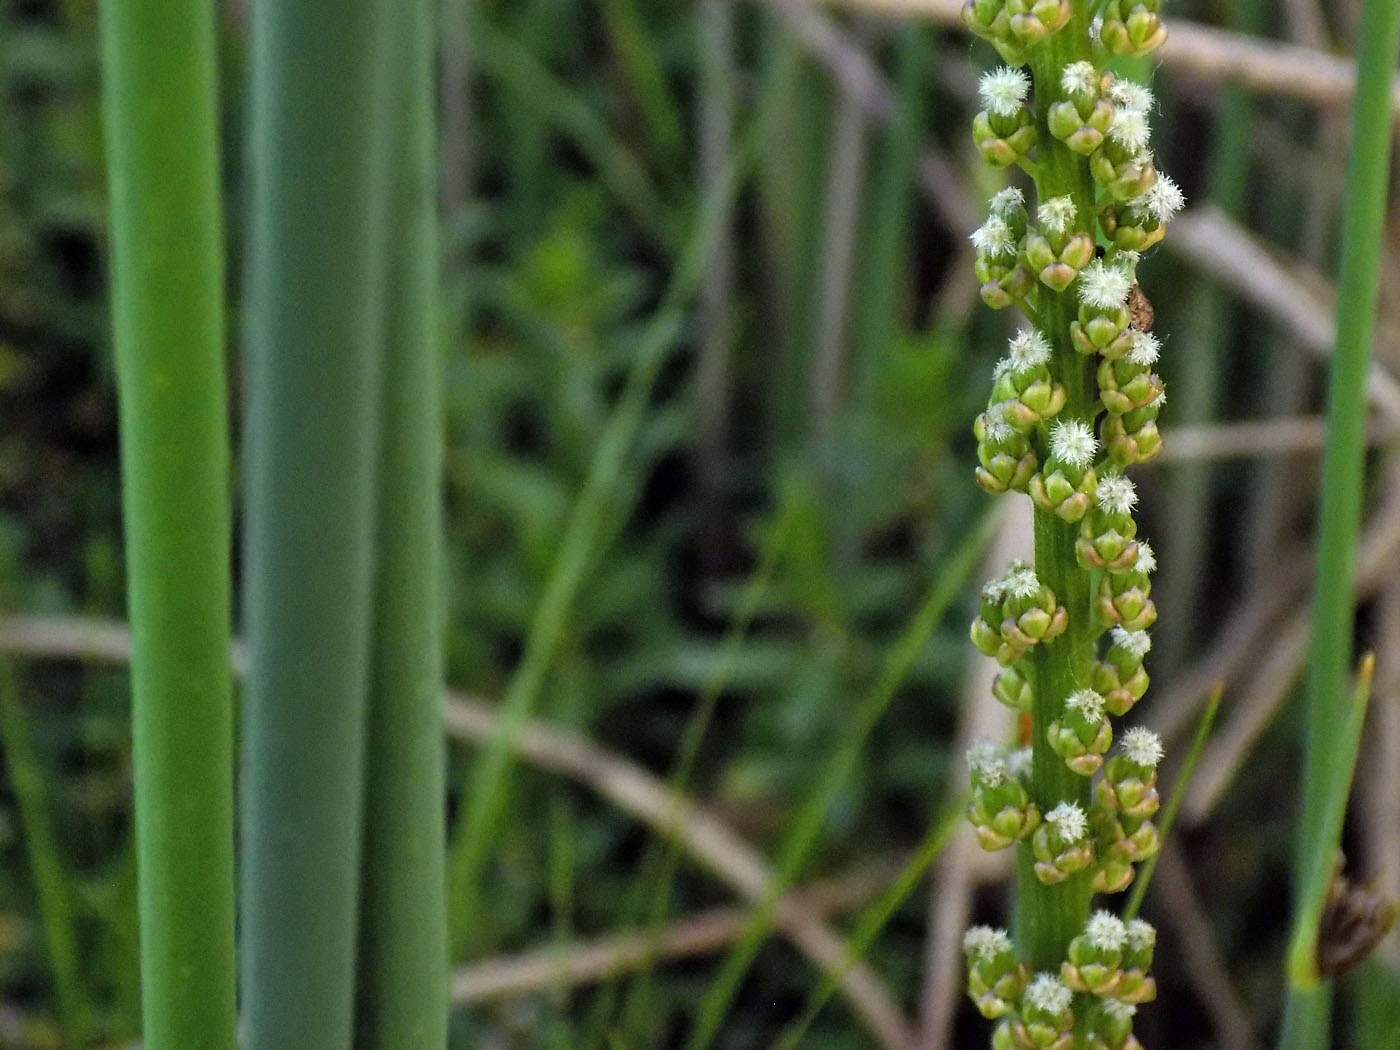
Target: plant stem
(168, 319)
(1326, 756)
(402, 964)
(1048, 917)
(313, 377)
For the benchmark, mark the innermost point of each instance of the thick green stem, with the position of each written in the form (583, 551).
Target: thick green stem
(1047, 917)
(402, 982)
(168, 317)
(313, 379)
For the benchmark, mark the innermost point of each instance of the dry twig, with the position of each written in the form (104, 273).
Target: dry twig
(629, 787)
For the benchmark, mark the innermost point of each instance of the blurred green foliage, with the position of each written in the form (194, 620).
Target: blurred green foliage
(581, 148)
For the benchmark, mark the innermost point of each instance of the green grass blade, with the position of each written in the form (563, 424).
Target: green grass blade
(488, 791)
(1327, 757)
(402, 964)
(872, 920)
(807, 824)
(168, 318)
(313, 377)
(1168, 818)
(26, 779)
(1307, 1012)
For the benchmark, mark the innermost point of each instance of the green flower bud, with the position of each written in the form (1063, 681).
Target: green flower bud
(1120, 676)
(1123, 596)
(999, 808)
(1081, 734)
(1023, 385)
(1004, 452)
(995, 980)
(1003, 1037)
(1108, 1025)
(1133, 437)
(1067, 485)
(1004, 141)
(1131, 27)
(1096, 955)
(1031, 614)
(1103, 323)
(1046, 1021)
(1061, 844)
(1107, 535)
(1081, 119)
(1056, 252)
(1013, 687)
(1136, 986)
(1140, 223)
(1033, 20)
(990, 20)
(1129, 784)
(1125, 384)
(1122, 164)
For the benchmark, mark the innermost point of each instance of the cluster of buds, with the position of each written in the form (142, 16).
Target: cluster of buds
(1061, 844)
(1131, 27)
(999, 804)
(1018, 612)
(1074, 405)
(1014, 27)
(1120, 676)
(1125, 800)
(1089, 1005)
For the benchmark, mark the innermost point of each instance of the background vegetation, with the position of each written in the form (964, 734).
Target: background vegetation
(710, 518)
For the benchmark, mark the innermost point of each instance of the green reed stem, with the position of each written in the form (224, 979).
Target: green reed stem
(168, 318)
(1327, 758)
(402, 964)
(1048, 917)
(313, 379)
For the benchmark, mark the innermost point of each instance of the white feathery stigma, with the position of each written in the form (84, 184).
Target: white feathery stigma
(1136, 644)
(1018, 763)
(1096, 31)
(1004, 90)
(1141, 935)
(1072, 441)
(1117, 494)
(1118, 1010)
(1005, 200)
(1142, 747)
(1021, 581)
(1130, 129)
(1029, 348)
(1161, 202)
(1104, 285)
(1145, 350)
(1105, 931)
(985, 942)
(1088, 703)
(1131, 96)
(986, 761)
(1069, 821)
(1048, 994)
(1146, 558)
(1057, 214)
(1080, 78)
(994, 238)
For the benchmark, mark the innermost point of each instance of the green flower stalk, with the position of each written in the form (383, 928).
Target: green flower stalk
(1074, 405)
